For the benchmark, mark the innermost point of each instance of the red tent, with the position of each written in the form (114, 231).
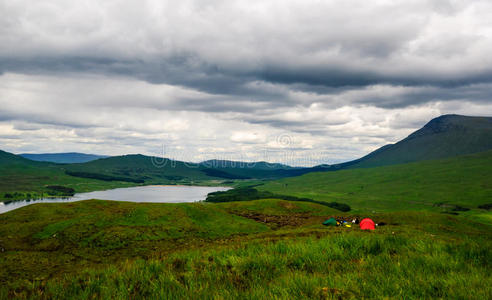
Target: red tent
(367, 224)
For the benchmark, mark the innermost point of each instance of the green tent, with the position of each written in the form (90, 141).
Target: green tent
(330, 222)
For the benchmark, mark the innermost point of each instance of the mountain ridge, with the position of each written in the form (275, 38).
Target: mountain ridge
(63, 157)
(442, 137)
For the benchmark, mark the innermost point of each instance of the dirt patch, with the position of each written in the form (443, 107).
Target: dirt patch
(275, 221)
(288, 205)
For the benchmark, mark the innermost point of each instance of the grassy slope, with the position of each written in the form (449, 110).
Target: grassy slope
(87, 232)
(95, 249)
(462, 180)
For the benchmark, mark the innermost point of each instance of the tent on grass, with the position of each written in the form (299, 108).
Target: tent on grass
(330, 222)
(367, 224)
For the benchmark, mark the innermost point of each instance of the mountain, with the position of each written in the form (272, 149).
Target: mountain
(63, 158)
(442, 137)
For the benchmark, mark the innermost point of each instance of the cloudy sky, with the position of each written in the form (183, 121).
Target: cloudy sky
(300, 82)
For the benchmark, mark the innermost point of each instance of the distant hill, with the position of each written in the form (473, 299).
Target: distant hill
(141, 167)
(258, 165)
(154, 169)
(261, 169)
(442, 137)
(63, 158)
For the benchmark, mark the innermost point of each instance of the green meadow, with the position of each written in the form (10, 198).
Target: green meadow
(435, 185)
(259, 249)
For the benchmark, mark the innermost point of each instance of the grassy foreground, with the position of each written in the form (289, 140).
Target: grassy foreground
(260, 249)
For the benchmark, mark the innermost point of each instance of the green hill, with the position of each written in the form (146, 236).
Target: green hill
(63, 158)
(141, 167)
(7, 158)
(443, 137)
(427, 185)
(161, 170)
(21, 178)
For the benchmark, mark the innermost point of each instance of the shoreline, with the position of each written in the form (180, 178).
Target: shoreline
(54, 199)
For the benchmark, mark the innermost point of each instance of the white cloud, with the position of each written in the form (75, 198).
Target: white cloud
(237, 79)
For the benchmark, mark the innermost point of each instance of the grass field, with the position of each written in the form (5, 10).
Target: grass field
(254, 249)
(463, 181)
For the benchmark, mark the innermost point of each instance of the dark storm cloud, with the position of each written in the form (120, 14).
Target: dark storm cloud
(213, 80)
(338, 77)
(478, 92)
(223, 49)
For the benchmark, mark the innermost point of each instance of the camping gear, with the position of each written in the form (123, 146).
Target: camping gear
(367, 224)
(330, 222)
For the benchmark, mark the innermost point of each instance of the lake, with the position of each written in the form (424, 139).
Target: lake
(151, 193)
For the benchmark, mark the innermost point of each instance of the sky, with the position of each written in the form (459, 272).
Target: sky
(299, 82)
